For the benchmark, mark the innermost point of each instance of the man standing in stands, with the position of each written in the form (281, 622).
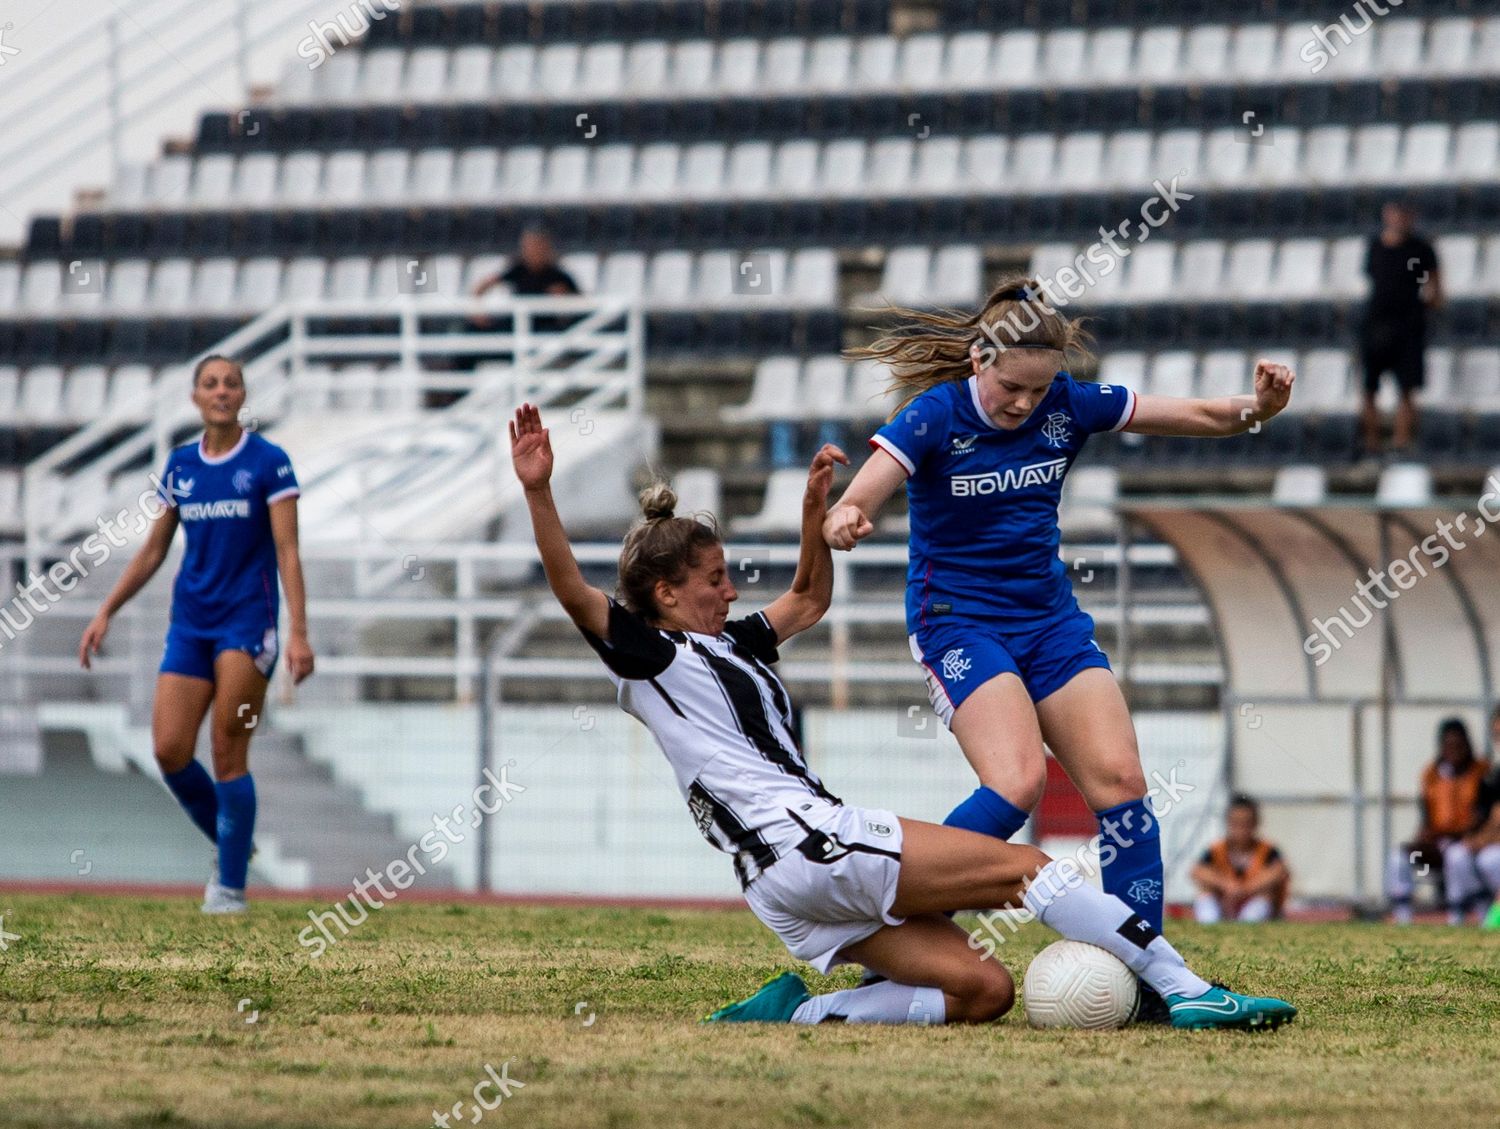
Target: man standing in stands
(1403, 270)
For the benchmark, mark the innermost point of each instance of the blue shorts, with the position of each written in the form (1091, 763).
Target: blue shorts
(960, 655)
(192, 652)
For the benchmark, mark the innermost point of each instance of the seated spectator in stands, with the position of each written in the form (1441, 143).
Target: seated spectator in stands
(535, 270)
(1404, 282)
(533, 273)
(1241, 877)
(1450, 795)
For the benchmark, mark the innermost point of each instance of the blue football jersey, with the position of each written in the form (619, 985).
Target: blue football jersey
(983, 500)
(228, 572)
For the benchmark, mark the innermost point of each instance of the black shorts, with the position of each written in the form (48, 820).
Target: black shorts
(1397, 347)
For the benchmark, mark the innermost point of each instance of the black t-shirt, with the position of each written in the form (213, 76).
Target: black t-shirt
(1397, 275)
(522, 280)
(1489, 795)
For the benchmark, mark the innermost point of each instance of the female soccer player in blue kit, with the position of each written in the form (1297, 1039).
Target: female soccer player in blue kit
(991, 424)
(235, 496)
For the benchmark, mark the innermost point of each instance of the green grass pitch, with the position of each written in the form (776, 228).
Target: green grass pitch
(120, 1011)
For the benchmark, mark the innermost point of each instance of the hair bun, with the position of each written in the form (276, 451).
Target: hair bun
(658, 501)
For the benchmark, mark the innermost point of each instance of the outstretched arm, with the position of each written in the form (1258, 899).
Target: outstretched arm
(807, 600)
(1226, 415)
(853, 519)
(531, 455)
(142, 567)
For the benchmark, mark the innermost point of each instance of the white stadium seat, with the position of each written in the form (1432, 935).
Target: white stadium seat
(702, 170)
(875, 62)
(967, 60)
(382, 74)
(983, 168)
(698, 490)
(471, 75)
(41, 395)
(1477, 151)
(824, 389)
(1449, 45)
(349, 280)
(10, 391)
(614, 172)
(1247, 275)
(692, 68)
(172, 286)
(1172, 374)
(773, 395)
(10, 285)
(956, 275)
(1346, 267)
(1404, 484)
(582, 266)
(1300, 485)
(1177, 152)
(301, 179)
(213, 180)
(1224, 372)
(169, 181)
(337, 80)
(782, 65)
(1080, 161)
(1459, 259)
(1149, 273)
(1252, 50)
(656, 171)
(557, 70)
(1109, 59)
(213, 289)
(623, 275)
(1205, 55)
(1127, 369)
(522, 175)
(1476, 384)
(11, 517)
(1299, 269)
(601, 70)
(1487, 278)
(938, 165)
(1398, 46)
(795, 172)
(890, 167)
(255, 180)
(84, 393)
(1127, 160)
(1158, 55)
(749, 169)
(843, 172)
(830, 64)
(669, 279)
(566, 175)
(738, 67)
(1323, 382)
(1016, 54)
(781, 511)
(127, 284)
(515, 72)
(1376, 148)
(646, 68)
(1425, 153)
(1063, 52)
(426, 75)
(1438, 388)
(259, 285)
(904, 279)
(1032, 163)
(305, 280)
(129, 188)
(475, 175)
(1325, 154)
(869, 395)
(432, 176)
(813, 278)
(388, 173)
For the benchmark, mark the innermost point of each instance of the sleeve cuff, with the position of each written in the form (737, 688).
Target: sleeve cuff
(289, 492)
(881, 443)
(1127, 413)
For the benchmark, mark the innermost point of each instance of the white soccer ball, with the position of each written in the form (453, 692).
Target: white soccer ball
(1073, 984)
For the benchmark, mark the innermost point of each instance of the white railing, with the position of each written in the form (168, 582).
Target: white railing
(111, 89)
(596, 362)
(473, 593)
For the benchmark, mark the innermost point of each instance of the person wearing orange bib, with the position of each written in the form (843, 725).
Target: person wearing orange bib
(1241, 877)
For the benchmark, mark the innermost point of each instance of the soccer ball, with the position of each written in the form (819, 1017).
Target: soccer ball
(1073, 984)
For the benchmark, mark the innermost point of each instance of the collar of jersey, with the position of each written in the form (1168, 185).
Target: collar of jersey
(217, 460)
(973, 383)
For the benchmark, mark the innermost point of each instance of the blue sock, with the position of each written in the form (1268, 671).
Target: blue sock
(236, 829)
(987, 812)
(1130, 851)
(194, 790)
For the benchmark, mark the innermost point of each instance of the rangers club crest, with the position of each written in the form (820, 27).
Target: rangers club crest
(1144, 890)
(955, 666)
(243, 480)
(1055, 429)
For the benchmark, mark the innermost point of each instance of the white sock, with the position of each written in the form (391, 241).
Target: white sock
(886, 1002)
(1062, 901)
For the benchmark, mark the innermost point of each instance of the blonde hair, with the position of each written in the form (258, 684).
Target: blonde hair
(932, 346)
(660, 547)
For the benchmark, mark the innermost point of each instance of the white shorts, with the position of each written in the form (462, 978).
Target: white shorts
(838, 892)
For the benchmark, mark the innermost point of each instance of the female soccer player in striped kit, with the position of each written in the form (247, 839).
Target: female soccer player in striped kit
(836, 884)
(235, 496)
(991, 423)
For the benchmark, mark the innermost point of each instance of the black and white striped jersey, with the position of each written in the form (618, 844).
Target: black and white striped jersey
(724, 721)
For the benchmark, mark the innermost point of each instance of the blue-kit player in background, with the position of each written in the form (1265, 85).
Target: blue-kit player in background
(235, 496)
(990, 424)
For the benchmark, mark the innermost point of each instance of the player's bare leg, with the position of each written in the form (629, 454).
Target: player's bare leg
(996, 726)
